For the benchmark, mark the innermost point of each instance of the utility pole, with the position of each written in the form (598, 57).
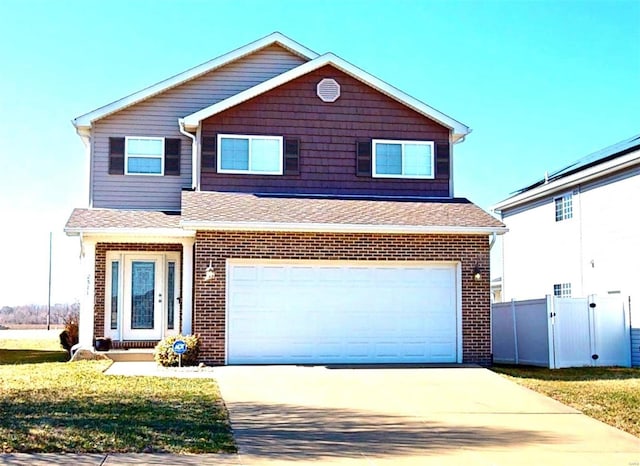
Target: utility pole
(49, 302)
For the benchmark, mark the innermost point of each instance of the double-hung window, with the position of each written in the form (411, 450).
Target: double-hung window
(564, 207)
(562, 290)
(259, 155)
(402, 159)
(144, 156)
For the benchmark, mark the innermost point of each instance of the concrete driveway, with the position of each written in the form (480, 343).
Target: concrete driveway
(408, 416)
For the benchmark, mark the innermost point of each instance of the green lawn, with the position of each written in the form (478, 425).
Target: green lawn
(609, 394)
(74, 407)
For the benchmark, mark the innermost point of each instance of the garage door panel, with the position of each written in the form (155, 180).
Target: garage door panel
(349, 313)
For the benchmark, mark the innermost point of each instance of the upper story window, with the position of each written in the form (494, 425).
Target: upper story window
(260, 155)
(564, 207)
(402, 159)
(562, 290)
(144, 156)
(137, 155)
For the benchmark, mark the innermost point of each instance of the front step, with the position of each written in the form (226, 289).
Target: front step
(136, 355)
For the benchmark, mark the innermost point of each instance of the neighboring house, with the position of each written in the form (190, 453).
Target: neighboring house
(575, 233)
(287, 207)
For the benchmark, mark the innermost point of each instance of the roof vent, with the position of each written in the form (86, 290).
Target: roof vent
(328, 90)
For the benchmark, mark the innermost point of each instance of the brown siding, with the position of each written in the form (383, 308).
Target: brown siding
(100, 271)
(328, 134)
(209, 314)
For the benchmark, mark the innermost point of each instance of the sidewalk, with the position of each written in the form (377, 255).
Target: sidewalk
(45, 459)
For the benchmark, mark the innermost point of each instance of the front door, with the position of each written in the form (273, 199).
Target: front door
(144, 299)
(144, 292)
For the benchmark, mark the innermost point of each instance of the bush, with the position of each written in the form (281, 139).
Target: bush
(165, 356)
(69, 336)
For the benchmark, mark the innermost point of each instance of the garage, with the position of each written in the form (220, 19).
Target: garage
(324, 312)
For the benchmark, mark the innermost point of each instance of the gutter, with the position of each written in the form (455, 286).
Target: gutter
(194, 225)
(195, 165)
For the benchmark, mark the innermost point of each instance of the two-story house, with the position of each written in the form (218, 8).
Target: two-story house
(574, 233)
(287, 207)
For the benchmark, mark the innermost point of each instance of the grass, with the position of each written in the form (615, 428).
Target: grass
(74, 407)
(609, 394)
(15, 349)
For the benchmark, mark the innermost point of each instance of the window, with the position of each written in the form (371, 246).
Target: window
(564, 207)
(171, 292)
(562, 290)
(402, 159)
(115, 288)
(144, 156)
(260, 155)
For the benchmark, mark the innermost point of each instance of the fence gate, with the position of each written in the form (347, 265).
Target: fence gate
(562, 332)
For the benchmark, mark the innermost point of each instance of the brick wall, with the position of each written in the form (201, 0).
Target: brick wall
(469, 250)
(100, 271)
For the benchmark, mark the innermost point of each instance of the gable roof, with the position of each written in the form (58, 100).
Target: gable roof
(597, 164)
(85, 121)
(272, 212)
(459, 130)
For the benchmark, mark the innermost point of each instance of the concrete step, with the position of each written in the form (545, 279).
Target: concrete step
(138, 355)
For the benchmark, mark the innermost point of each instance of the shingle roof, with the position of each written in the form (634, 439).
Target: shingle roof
(115, 219)
(226, 210)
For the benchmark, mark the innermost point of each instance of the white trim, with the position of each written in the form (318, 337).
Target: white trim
(87, 304)
(401, 143)
(143, 156)
(114, 234)
(195, 225)
(570, 181)
(191, 122)
(86, 120)
(249, 138)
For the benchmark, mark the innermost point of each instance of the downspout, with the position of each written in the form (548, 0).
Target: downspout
(493, 240)
(195, 165)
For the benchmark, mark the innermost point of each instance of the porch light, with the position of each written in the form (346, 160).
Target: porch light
(477, 273)
(209, 274)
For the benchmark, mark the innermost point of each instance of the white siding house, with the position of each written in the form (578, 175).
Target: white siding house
(576, 233)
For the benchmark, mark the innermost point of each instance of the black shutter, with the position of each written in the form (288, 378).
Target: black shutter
(363, 158)
(208, 152)
(172, 156)
(116, 156)
(442, 160)
(291, 156)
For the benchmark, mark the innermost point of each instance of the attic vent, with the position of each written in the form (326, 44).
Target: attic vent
(328, 90)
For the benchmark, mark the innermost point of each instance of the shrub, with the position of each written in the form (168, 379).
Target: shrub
(165, 356)
(69, 336)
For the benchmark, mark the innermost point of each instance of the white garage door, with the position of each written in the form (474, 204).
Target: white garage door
(341, 312)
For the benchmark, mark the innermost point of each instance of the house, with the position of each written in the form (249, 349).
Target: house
(287, 207)
(574, 233)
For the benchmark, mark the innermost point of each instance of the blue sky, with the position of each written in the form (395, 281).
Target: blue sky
(540, 82)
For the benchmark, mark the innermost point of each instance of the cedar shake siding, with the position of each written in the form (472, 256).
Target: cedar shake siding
(158, 117)
(329, 135)
(217, 247)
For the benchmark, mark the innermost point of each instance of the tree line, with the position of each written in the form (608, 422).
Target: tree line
(37, 313)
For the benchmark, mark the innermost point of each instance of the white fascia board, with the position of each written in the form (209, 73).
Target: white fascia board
(459, 130)
(338, 228)
(85, 121)
(130, 232)
(568, 182)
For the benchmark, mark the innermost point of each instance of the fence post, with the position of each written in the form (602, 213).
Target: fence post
(515, 332)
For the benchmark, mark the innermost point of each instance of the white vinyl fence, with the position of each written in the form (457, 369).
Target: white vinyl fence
(561, 332)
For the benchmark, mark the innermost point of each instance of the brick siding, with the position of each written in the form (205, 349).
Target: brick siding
(217, 247)
(100, 274)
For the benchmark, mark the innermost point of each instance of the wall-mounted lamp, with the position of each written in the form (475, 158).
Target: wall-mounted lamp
(209, 274)
(477, 273)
